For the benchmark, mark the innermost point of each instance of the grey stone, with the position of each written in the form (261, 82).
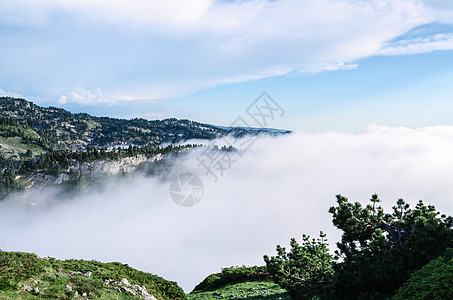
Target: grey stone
(130, 291)
(144, 292)
(74, 273)
(27, 288)
(125, 281)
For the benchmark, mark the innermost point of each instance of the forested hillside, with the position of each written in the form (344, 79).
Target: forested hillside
(51, 145)
(55, 128)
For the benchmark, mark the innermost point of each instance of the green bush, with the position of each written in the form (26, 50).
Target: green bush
(433, 281)
(208, 283)
(18, 266)
(116, 271)
(305, 270)
(232, 274)
(379, 251)
(52, 275)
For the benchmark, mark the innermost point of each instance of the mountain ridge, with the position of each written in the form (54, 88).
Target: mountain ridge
(49, 145)
(61, 129)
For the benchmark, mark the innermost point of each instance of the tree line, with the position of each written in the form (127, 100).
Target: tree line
(54, 162)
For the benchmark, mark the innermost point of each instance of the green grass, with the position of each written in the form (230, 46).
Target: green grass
(27, 276)
(251, 290)
(15, 145)
(92, 124)
(22, 273)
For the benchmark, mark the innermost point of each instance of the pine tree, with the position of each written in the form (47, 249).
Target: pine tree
(305, 270)
(379, 251)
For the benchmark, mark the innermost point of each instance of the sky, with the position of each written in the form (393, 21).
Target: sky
(340, 64)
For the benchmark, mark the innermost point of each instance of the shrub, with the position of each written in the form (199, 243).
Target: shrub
(232, 274)
(433, 281)
(379, 251)
(18, 266)
(305, 270)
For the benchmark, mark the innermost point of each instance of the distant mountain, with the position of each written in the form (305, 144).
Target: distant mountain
(255, 129)
(56, 128)
(49, 145)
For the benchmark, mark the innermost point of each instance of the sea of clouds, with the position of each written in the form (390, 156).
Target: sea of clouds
(280, 188)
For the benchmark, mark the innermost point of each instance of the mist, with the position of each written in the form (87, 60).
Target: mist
(281, 187)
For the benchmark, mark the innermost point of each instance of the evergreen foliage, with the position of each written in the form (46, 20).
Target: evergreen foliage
(433, 281)
(305, 270)
(377, 253)
(52, 141)
(379, 250)
(231, 275)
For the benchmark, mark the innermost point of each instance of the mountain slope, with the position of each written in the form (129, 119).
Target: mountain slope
(239, 283)
(56, 128)
(53, 146)
(26, 276)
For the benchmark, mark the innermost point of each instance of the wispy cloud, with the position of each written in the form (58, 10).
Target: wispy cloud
(420, 45)
(329, 67)
(139, 12)
(150, 49)
(441, 10)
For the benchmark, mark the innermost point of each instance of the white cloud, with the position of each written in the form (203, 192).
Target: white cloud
(441, 10)
(280, 188)
(172, 12)
(151, 49)
(82, 96)
(420, 45)
(329, 67)
(112, 11)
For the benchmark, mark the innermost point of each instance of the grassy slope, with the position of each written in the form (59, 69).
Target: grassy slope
(21, 273)
(26, 276)
(251, 289)
(12, 140)
(14, 146)
(239, 282)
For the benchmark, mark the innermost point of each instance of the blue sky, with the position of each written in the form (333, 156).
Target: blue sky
(332, 65)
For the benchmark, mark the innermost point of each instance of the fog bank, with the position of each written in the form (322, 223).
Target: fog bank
(280, 188)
